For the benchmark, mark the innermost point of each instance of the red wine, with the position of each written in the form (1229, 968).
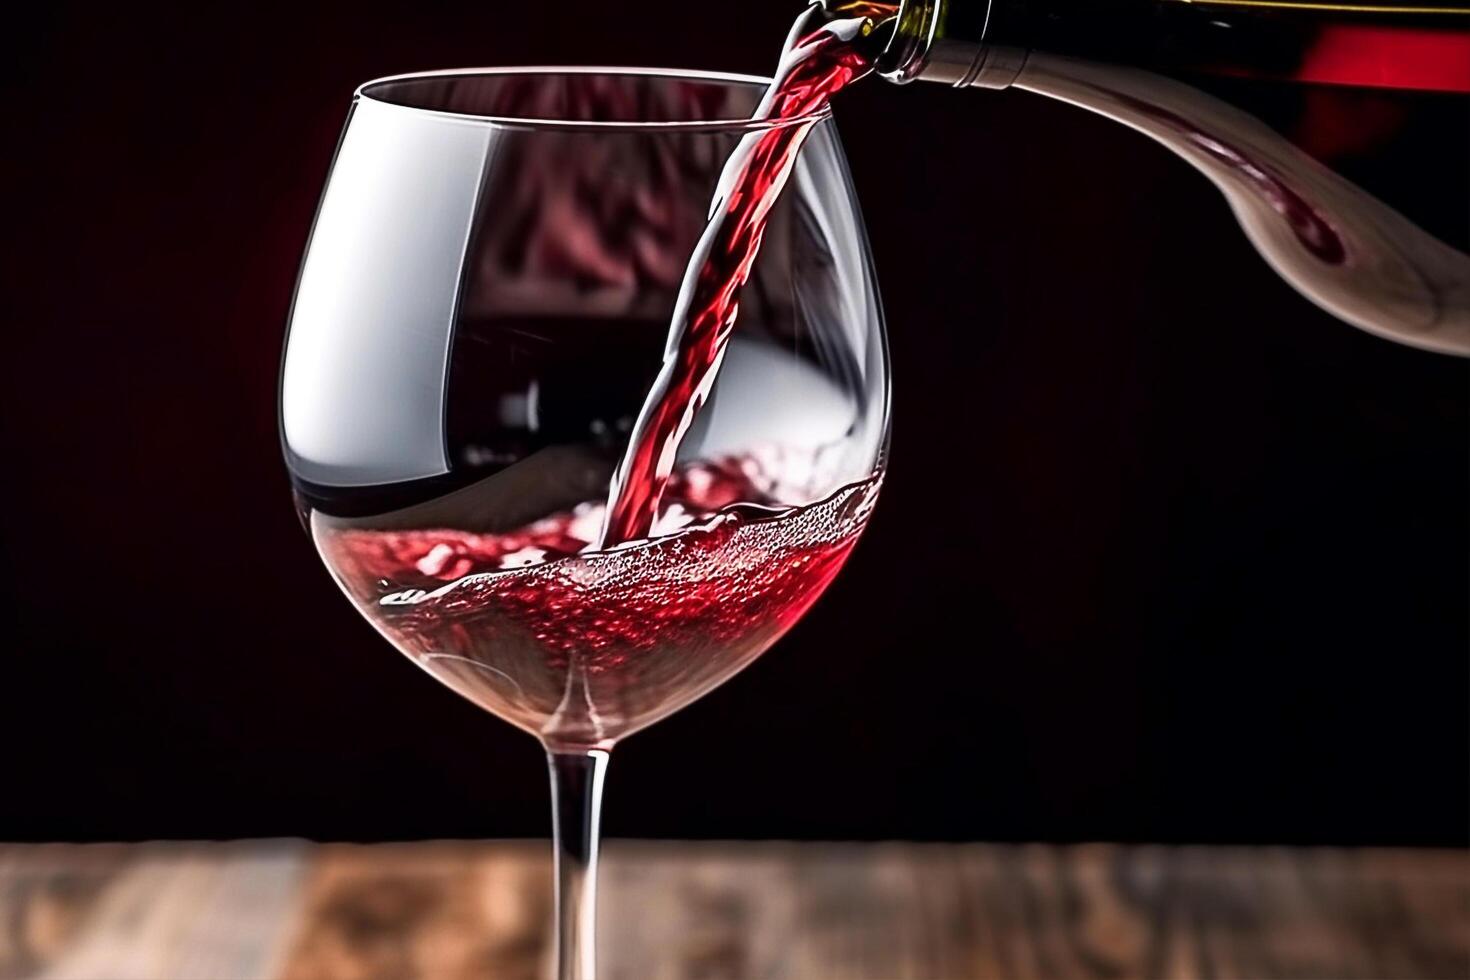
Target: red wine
(584, 647)
(817, 62)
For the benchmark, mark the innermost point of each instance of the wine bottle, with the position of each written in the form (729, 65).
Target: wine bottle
(1415, 44)
(1148, 63)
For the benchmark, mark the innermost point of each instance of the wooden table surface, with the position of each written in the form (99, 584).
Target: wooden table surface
(709, 910)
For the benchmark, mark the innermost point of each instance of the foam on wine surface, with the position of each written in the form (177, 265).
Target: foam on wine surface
(584, 647)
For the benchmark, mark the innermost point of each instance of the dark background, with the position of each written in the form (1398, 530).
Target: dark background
(1166, 553)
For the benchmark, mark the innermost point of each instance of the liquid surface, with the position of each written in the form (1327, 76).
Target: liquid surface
(584, 647)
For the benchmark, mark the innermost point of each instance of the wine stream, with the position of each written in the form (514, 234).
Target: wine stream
(818, 60)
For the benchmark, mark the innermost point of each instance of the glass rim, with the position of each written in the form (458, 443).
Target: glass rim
(364, 92)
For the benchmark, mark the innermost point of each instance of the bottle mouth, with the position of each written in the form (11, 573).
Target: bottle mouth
(905, 38)
(884, 41)
(929, 39)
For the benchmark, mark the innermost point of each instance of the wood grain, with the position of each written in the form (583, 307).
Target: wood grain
(285, 909)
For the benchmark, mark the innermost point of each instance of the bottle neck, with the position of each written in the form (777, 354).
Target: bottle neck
(950, 41)
(1416, 44)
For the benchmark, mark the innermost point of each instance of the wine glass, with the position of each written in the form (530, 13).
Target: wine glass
(482, 309)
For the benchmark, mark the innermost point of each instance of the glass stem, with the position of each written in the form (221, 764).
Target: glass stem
(576, 807)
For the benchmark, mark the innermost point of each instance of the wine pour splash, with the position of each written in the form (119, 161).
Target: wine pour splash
(824, 53)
